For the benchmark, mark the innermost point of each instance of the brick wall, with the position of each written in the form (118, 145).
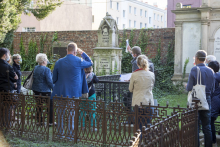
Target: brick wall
(87, 40)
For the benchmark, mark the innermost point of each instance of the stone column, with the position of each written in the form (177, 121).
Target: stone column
(205, 3)
(95, 64)
(178, 50)
(204, 38)
(113, 63)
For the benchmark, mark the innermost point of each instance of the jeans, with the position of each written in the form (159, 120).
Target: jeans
(145, 118)
(88, 106)
(205, 117)
(213, 129)
(62, 112)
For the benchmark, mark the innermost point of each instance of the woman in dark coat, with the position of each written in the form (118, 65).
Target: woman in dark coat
(16, 66)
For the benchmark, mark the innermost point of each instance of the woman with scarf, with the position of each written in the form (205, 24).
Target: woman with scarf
(91, 79)
(16, 66)
(141, 84)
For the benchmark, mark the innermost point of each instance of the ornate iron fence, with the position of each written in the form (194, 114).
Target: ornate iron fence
(96, 122)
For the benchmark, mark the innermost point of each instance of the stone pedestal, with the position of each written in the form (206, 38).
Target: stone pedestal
(196, 29)
(107, 55)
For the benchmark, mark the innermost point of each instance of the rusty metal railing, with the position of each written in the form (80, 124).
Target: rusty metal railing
(96, 122)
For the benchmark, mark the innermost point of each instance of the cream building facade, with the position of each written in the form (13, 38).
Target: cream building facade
(129, 14)
(71, 15)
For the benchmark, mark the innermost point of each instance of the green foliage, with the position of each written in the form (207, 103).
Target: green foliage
(42, 42)
(29, 59)
(10, 13)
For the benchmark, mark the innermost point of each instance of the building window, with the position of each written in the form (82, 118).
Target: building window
(110, 3)
(161, 18)
(149, 20)
(157, 26)
(186, 6)
(134, 11)
(117, 20)
(154, 26)
(157, 17)
(123, 13)
(129, 9)
(92, 18)
(145, 25)
(117, 6)
(154, 16)
(140, 12)
(141, 25)
(129, 23)
(145, 13)
(123, 26)
(29, 29)
(134, 24)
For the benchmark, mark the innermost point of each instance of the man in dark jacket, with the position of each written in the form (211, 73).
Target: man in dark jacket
(6, 80)
(135, 52)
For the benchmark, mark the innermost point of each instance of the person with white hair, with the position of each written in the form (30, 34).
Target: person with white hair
(42, 85)
(16, 58)
(210, 58)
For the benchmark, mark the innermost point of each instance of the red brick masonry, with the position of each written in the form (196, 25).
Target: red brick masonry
(87, 40)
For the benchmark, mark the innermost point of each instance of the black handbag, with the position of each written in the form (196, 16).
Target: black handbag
(29, 81)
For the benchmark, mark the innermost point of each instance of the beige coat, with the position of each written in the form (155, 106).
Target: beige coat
(141, 84)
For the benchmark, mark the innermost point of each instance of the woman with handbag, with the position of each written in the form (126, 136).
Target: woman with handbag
(42, 85)
(16, 66)
(141, 84)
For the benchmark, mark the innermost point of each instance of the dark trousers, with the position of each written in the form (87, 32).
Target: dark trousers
(205, 117)
(39, 104)
(213, 129)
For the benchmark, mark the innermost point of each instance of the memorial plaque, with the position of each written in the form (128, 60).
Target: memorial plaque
(60, 51)
(217, 45)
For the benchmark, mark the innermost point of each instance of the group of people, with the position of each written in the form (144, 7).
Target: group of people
(72, 76)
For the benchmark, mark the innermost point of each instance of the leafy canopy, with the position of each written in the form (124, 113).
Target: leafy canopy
(10, 15)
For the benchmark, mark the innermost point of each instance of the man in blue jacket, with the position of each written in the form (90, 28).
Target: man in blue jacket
(68, 79)
(207, 77)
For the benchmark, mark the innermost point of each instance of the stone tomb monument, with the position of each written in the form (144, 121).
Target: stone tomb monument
(107, 55)
(196, 29)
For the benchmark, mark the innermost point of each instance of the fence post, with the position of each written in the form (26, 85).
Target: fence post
(161, 132)
(196, 120)
(76, 119)
(136, 117)
(22, 113)
(48, 116)
(104, 124)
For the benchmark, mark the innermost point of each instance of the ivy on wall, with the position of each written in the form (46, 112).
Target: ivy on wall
(164, 70)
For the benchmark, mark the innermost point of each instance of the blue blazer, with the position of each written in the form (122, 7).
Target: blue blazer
(69, 76)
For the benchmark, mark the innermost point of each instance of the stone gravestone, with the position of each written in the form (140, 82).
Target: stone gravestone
(107, 54)
(196, 29)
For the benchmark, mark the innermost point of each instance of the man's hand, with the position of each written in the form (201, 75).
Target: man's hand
(16, 76)
(15, 85)
(80, 51)
(129, 49)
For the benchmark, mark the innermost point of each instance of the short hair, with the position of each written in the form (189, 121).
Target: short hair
(201, 55)
(41, 57)
(210, 58)
(15, 56)
(3, 51)
(214, 65)
(142, 62)
(72, 47)
(136, 50)
(88, 70)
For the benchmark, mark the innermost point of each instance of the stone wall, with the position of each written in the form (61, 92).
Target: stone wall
(87, 40)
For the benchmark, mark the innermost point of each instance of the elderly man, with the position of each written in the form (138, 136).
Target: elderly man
(210, 58)
(68, 80)
(207, 77)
